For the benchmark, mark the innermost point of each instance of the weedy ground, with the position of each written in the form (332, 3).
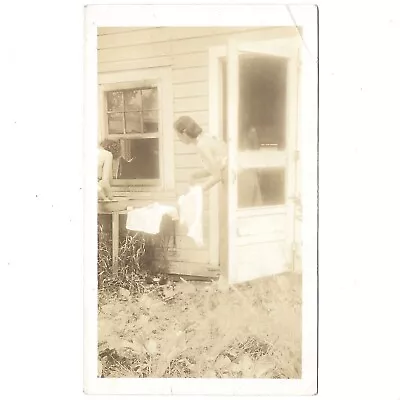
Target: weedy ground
(187, 330)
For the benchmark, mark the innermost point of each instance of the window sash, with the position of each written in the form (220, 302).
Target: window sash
(137, 182)
(134, 136)
(160, 78)
(124, 111)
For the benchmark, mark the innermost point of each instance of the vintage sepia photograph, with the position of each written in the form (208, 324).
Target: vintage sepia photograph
(201, 138)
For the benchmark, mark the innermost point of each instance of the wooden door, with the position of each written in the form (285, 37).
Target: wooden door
(261, 114)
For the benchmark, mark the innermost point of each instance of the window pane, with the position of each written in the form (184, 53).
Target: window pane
(261, 187)
(115, 123)
(150, 99)
(140, 159)
(115, 101)
(262, 102)
(133, 100)
(133, 122)
(150, 121)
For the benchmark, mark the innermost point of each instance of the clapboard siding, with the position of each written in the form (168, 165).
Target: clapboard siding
(186, 52)
(132, 38)
(193, 74)
(179, 61)
(162, 34)
(203, 43)
(185, 242)
(191, 103)
(126, 65)
(193, 59)
(189, 255)
(183, 45)
(185, 90)
(134, 52)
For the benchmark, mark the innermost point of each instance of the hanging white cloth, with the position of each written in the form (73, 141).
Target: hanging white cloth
(148, 219)
(191, 213)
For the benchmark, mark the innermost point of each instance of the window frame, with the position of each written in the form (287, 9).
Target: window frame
(162, 79)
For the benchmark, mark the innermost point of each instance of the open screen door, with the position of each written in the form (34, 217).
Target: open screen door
(262, 108)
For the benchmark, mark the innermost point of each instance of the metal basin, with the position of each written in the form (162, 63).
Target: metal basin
(107, 206)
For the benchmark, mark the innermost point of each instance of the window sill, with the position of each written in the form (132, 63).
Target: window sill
(136, 193)
(136, 188)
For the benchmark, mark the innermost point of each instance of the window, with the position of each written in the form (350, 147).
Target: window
(262, 103)
(262, 129)
(137, 119)
(133, 120)
(261, 187)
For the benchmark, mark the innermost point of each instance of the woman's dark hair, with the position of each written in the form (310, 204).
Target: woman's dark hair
(190, 126)
(113, 146)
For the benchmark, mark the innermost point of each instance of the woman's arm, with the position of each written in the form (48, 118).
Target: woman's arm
(212, 181)
(199, 175)
(209, 183)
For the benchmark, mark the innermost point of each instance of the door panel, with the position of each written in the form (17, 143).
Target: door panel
(259, 259)
(261, 104)
(260, 225)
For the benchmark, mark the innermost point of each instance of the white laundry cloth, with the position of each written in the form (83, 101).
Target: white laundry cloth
(148, 219)
(191, 213)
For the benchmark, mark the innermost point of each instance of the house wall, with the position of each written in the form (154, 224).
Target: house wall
(185, 50)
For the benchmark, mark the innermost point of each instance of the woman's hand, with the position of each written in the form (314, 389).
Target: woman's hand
(106, 189)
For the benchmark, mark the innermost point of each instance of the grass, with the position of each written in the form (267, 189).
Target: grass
(188, 330)
(151, 327)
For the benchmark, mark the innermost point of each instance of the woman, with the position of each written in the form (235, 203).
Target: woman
(212, 151)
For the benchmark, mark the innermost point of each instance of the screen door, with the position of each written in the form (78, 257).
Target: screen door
(261, 128)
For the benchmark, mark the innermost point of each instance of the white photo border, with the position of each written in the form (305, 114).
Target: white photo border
(305, 17)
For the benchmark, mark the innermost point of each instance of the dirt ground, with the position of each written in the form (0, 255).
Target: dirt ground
(187, 329)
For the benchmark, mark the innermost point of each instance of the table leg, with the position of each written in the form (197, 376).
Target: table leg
(165, 239)
(115, 241)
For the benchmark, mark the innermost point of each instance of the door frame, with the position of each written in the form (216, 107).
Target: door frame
(214, 127)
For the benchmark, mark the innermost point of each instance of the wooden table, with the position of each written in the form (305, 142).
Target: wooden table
(115, 208)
